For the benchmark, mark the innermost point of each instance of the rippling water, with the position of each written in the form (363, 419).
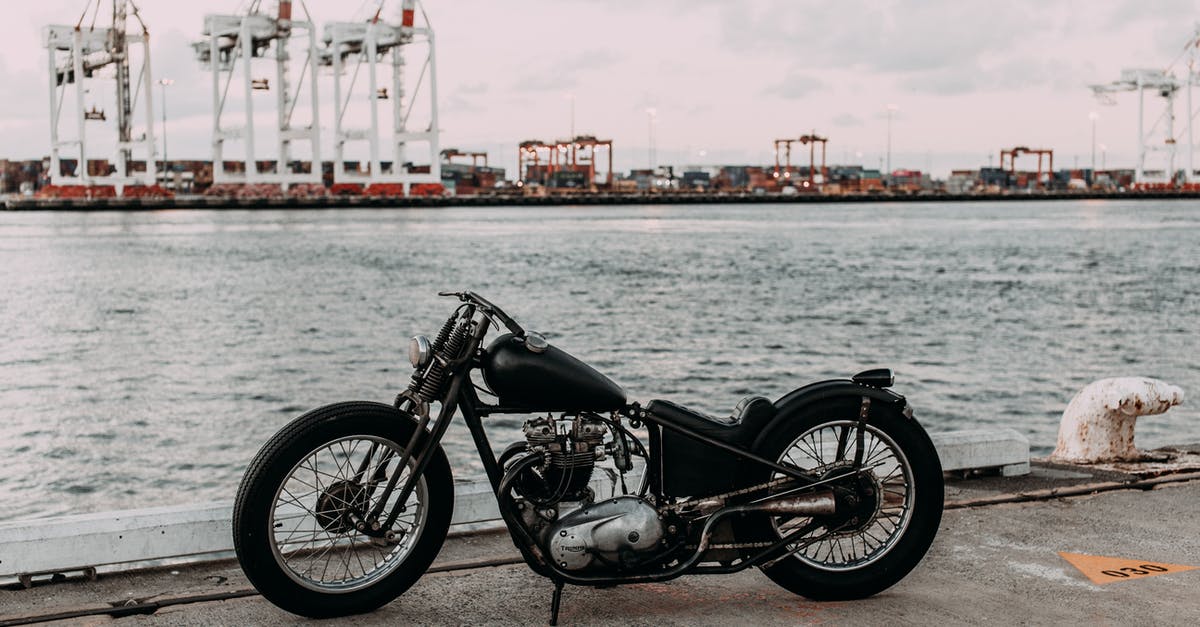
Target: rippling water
(146, 356)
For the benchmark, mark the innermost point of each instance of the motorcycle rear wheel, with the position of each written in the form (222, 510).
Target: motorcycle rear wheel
(294, 517)
(869, 548)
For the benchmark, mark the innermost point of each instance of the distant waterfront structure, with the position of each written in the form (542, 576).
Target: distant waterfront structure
(384, 50)
(1093, 116)
(232, 45)
(784, 174)
(77, 56)
(1166, 86)
(469, 179)
(568, 164)
(1167, 140)
(163, 84)
(651, 137)
(891, 110)
(1010, 155)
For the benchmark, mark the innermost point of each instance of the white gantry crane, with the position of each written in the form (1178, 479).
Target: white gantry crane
(374, 44)
(232, 46)
(1166, 86)
(1163, 83)
(80, 58)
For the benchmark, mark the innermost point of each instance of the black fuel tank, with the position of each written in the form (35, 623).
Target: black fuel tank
(552, 380)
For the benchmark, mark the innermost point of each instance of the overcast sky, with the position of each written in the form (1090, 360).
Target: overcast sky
(726, 78)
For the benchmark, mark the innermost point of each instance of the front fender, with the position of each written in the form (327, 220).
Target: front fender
(794, 403)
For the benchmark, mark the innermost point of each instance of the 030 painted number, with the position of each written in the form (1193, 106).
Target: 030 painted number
(1144, 569)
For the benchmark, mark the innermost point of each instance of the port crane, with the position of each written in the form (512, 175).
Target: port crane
(384, 49)
(786, 146)
(811, 140)
(538, 161)
(233, 48)
(1164, 84)
(1010, 155)
(449, 154)
(80, 57)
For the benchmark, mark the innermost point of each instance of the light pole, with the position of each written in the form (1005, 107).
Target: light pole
(651, 118)
(1103, 157)
(1093, 116)
(891, 109)
(571, 97)
(164, 83)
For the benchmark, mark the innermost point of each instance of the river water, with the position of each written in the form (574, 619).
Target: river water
(144, 357)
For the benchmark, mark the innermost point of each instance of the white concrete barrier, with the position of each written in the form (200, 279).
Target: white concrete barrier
(131, 538)
(1002, 449)
(87, 541)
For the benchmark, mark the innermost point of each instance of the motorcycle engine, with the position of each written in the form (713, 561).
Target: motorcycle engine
(570, 456)
(557, 504)
(614, 533)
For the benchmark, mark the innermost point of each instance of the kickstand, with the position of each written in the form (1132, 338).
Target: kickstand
(555, 601)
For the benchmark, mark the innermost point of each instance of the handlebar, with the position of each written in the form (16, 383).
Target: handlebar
(488, 308)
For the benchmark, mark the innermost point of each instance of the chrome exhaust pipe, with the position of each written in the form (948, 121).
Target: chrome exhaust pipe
(816, 504)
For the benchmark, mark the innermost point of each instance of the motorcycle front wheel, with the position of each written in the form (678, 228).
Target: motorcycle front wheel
(880, 536)
(295, 520)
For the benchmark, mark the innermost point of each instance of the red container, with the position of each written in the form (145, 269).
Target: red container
(385, 189)
(427, 189)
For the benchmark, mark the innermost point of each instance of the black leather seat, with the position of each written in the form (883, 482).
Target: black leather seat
(748, 419)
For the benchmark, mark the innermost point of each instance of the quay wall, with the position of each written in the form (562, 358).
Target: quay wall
(688, 198)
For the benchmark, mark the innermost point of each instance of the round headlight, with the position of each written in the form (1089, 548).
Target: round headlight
(418, 351)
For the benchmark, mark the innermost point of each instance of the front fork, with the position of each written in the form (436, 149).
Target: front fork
(424, 441)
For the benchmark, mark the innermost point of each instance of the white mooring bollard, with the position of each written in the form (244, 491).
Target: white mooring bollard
(1097, 425)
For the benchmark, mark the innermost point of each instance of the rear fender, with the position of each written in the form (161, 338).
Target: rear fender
(793, 404)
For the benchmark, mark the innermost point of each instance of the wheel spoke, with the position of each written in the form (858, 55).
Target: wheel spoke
(313, 538)
(812, 452)
(873, 450)
(844, 545)
(293, 500)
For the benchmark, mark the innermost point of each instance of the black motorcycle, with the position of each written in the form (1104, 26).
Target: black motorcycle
(833, 491)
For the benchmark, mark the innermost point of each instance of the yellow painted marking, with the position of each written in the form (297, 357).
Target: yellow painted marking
(1104, 570)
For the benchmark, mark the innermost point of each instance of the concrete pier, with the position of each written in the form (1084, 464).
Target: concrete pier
(19, 203)
(997, 557)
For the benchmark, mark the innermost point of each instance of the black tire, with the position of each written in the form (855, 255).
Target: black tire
(264, 492)
(809, 574)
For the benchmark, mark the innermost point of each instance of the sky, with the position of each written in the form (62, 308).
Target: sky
(967, 78)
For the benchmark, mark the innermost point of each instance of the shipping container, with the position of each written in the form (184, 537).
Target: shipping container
(566, 179)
